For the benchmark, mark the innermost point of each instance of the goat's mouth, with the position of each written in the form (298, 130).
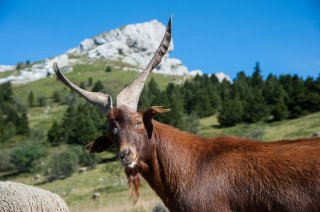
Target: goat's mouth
(129, 163)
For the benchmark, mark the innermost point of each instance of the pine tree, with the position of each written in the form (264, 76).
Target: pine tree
(12, 116)
(56, 96)
(154, 92)
(68, 124)
(92, 113)
(255, 108)
(90, 80)
(257, 80)
(6, 94)
(312, 95)
(144, 100)
(298, 96)
(231, 112)
(280, 110)
(275, 97)
(23, 124)
(55, 134)
(202, 103)
(241, 86)
(108, 69)
(31, 99)
(9, 132)
(82, 85)
(225, 90)
(176, 104)
(2, 128)
(84, 131)
(165, 117)
(98, 87)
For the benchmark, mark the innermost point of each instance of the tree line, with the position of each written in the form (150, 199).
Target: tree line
(248, 99)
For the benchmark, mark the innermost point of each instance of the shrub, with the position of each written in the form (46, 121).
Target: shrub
(23, 124)
(26, 157)
(31, 99)
(70, 99)
(19, 65)
(190, 123)
(114, 168)
(82, 85)
(90, 80)
(55, 134)
(37, 135)
(42, 101)
(108, 69)
(256, 133)
(56, 96)
(98, 87)
(85, 158)
(62, 165)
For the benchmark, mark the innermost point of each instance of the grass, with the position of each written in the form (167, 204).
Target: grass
(43, 117)
(8, 73)
(77, 191)
(286, 129)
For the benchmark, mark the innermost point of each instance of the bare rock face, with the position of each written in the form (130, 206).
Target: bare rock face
(37, 71)
(133, 44)
(4, 68)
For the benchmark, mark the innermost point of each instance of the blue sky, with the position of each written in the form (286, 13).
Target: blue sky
(214, 36)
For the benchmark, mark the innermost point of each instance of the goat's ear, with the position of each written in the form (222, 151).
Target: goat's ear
(149, 114)
(99, 144)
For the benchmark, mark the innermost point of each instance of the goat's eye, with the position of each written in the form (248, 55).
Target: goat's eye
(115, 130)
(139, 123)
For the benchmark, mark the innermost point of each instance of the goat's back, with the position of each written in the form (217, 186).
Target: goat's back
(275, 176)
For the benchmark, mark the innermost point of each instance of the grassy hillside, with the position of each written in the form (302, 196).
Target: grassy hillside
(113, 81)
(287, 129)
(77, 190)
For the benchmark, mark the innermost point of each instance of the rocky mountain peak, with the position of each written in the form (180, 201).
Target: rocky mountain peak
(133, 44)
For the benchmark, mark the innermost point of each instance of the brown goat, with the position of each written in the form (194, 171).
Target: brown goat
(191, 173)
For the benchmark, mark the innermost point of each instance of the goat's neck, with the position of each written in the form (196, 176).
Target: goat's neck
(171, 164)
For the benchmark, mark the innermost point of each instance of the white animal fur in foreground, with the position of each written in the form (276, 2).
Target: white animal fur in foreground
(19, 197)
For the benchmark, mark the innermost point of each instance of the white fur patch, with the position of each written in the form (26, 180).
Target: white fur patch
(132, 165)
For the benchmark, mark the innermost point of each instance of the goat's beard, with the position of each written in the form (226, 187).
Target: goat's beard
(134, 184)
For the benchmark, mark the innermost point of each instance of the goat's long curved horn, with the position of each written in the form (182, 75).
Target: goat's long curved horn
(102, 101)
(130, 95)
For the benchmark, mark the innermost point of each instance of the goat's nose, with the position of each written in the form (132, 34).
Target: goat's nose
(123, 153)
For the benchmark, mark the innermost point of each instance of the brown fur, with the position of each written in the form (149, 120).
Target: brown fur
(134, 185)
(191, 173)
